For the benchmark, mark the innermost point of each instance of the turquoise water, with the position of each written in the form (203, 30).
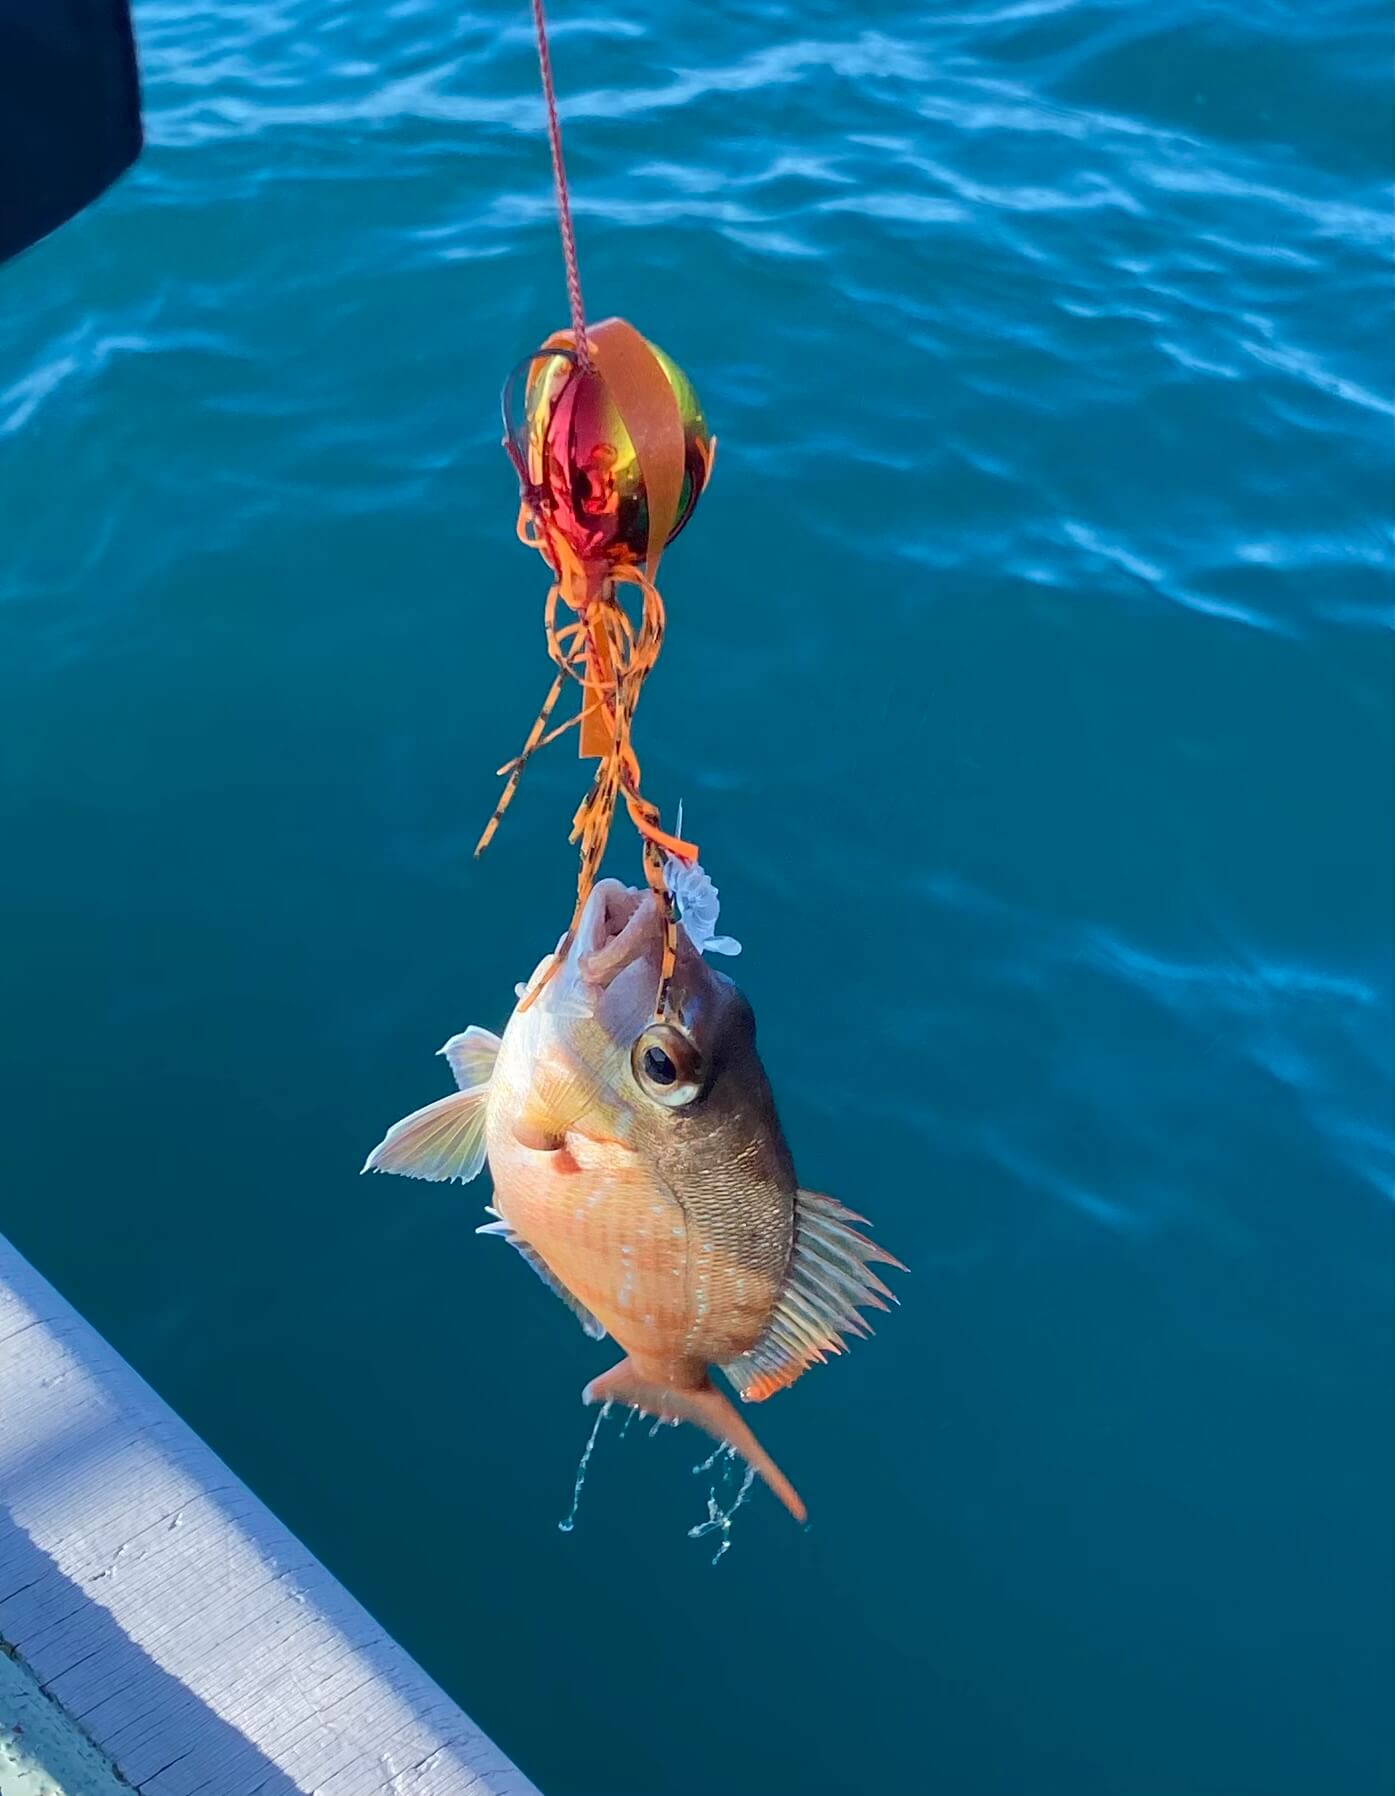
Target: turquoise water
(1027, 687)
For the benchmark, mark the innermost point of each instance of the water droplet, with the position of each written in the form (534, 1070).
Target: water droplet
(569, 1522)
(719, 1519)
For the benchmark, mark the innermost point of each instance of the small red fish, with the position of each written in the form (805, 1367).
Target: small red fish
(640, 1168)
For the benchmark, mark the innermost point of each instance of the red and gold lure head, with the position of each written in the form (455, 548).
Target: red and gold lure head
(612, 452)
(581, 471)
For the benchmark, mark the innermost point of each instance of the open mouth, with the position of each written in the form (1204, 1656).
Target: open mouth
(614, 928)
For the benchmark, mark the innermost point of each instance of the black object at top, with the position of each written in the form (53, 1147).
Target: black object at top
(69, 111)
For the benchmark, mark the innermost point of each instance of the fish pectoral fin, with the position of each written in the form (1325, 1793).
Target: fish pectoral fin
(588, 1322)
(443, 1141)
(706, 1408)
(830, 1276)
(471, 1056)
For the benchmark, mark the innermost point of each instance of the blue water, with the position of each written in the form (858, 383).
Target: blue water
(1028, 688)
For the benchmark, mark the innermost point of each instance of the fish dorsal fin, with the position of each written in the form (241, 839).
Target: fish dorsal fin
(828, 1279)
(443, 1141)
(471, 1056)
(548, 1277)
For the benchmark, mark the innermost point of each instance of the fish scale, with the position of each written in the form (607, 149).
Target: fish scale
(741, 1231)
(593, 1222)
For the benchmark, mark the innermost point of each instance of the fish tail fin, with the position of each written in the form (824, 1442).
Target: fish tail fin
(706, 1408)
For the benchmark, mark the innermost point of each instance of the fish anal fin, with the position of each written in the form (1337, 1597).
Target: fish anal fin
(471, 1056)
(588, 1322)
(706, 1408)
(829, 1279)
(445, 1140)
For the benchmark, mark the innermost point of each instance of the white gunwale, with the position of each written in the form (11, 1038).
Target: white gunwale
(168, 1612)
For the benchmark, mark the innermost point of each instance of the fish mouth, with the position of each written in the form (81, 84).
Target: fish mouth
(616, 928)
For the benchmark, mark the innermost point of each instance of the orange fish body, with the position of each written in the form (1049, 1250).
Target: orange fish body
(630, 1256)
(641, 1170)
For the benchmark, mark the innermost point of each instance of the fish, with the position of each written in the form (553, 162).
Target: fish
(640, 1169)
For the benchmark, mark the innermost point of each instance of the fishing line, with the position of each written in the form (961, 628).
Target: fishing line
(559, 181)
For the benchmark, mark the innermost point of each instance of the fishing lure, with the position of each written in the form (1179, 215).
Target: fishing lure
(612, 453)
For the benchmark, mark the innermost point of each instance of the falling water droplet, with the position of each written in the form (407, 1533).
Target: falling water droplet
(566, 1526)
(719, 1519)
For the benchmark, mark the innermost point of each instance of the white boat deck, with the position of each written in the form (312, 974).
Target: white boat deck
(169, 1617)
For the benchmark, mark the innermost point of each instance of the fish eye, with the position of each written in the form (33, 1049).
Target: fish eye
(666, 1065)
